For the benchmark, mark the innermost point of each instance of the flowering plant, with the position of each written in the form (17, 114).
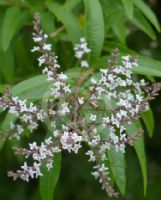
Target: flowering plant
(97, 113)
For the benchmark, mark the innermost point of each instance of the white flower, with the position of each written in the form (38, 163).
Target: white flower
(104, 71)
(103, 169)
(37, 39)
(93, 117)
(64, 109)
(84, 64)
(35, 49)
(81, 100)
(41, 60)
(47, 47)
(106, 120)
(93, 81)
(56, 133)
(82, 40)
(45, 36)
(37, 169)
(33, 146)
(91, 155)
(81, 49)
(114, 138)
(62, 76)
(95, 141)
(67, 89)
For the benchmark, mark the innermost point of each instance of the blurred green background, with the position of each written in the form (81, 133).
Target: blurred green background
(123, 28)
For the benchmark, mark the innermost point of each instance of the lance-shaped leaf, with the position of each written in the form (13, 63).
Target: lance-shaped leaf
(146, 10)
(49, 179)
(129, 7)
(117, 165)
(94, 27)
(32, 88)
(140, 149)
(143, 24)
(148, 121)
(10, 26)
(70, 22)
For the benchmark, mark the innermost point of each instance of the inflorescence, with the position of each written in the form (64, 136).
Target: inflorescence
(98, 116)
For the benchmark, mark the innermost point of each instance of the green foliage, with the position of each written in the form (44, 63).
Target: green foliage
(49, 179)
(94, 27)
(117, 163)
(140, 150)
(146, 10)
(32, 88)
(67, 18)
(129, 8)
(106, 24)
(10, 26)
(149, 121)
(141, 22)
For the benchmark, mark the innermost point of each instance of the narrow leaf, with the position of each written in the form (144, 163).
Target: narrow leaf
(117, 164)
(70, 22)
(7, 64)
(119, 28)
(148, 121)
(148, 66)
(71, 4)
(94, 27)
(10, 26)
(141, 22)
(129, 7)
(48, 27)
(146, 10)
(49, 179)
(32, 88)
(140, 149)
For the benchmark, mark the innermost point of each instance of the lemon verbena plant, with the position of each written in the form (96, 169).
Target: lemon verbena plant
(96, 114)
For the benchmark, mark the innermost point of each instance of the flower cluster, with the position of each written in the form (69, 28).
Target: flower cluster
(44, 152)
(49, 60)
(81, 50)
(98, 116)
(28, 113)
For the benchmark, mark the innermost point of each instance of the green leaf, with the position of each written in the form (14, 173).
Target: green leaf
(129, 7)
(32, 88)
(70, 22)
(49, 179)
(146, 10)
(141, 22)
(119, 27)
(147, 66)
(5, 126)
(148, 121)
(117, 164)
(2, 3)
(10, 26)
(140, 149)
(48, 27)
(22, 56)
(7, 64)
(94, 27)
(71, 4)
